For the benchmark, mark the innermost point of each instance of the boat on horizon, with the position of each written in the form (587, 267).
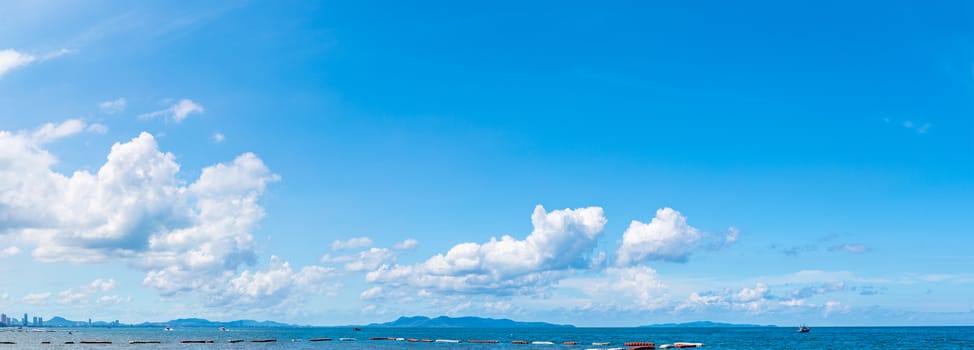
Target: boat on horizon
(803, 329)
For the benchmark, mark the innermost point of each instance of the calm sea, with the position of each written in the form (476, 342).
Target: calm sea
(713, 338)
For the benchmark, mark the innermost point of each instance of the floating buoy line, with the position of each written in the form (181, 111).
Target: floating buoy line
(632, 345)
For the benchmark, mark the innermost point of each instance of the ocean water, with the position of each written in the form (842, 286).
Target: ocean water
(713, 338)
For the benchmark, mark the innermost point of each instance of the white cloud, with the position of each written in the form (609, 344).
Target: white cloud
(371, 293)
(189, 239)
(80, 295)
(751, 300)
(11, 59)
(98, 128)
(351, 243)
(408, 244)
(112, 106)
(218, 137)
(275, 284)
(111, 300)
(636, 288)
(834, 306)
(760, 291)
(667, 237)
(9, 251)
(35, 298)
(50, 131)
(367, 260)
(850, 248)
(102, 286)
(176, 112)
(561, 240)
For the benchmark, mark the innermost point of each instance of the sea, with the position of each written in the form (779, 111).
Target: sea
(298, 338)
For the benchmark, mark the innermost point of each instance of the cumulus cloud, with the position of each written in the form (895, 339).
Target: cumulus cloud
(275, 284)
(112, 106)
(218, 137)
(667, 237)
(561, 240)
(9, 251)
(176, 112)
(187, 238)
(351, 243)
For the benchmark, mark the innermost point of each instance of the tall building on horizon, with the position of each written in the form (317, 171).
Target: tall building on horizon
(25, 320)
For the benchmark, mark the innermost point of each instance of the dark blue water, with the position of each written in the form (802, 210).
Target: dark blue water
(713, 338)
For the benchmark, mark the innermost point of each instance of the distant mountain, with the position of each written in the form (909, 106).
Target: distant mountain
(462, 322)
(203, 323)
(59, 321)
(701, 324)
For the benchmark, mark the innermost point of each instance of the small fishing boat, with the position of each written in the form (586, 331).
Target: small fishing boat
(263, 340)
(803, 329)
(144, 342)
(446, 341)
(520, 342)
(236, 341)
(542, 343)
(319, 339)
(347, 339)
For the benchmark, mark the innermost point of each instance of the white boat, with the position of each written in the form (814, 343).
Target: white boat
(446, 341)
(347, 339)
(602, 343)
(803, 329)
(542, 343)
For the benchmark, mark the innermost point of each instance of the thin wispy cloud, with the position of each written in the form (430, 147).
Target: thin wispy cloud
(175, 113)
(12, 59)
(112, 106)
(918, 127)
(849, 248)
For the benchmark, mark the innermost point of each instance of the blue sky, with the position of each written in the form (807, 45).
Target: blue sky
(596, 164)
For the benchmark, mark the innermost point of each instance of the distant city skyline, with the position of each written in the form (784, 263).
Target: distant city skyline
(595, 164)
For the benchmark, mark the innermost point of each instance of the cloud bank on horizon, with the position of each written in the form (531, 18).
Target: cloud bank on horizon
(194, 238)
